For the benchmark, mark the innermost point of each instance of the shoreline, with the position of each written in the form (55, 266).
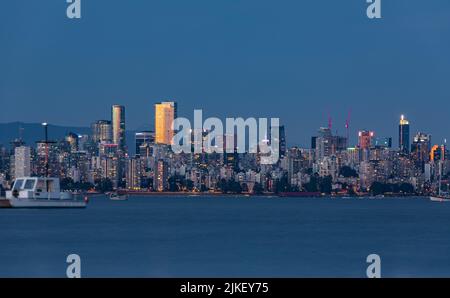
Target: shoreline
(265, 195)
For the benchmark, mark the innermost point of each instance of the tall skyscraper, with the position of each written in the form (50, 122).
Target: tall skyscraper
(22, 162)
(421, 148)
(165, 114)
(102, 131)
(282, 146)
(365, 139)
(404, 140)
(47, 163)
(118, 126)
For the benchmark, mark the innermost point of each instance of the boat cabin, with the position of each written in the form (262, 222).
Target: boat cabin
(35, 188)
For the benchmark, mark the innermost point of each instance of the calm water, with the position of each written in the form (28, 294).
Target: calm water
(229, 237)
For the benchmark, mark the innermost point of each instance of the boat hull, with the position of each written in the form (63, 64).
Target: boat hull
(4, 203)
(439, 199)
(30, 203)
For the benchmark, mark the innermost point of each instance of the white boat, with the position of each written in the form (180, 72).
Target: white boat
(118, 197)
(34, 192)
(440, 198)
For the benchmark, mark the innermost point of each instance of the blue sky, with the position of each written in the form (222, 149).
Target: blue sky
(297, 60)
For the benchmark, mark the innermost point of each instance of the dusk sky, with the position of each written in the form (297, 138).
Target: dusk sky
(297, 60)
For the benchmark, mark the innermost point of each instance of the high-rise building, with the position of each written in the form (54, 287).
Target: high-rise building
(118, 126)
(22, 162)
(282, 146)
(165, 114)
(161, 176)
(4, 159)
(134, 173)
(326, 144)
(47, 164)
(365, 139)
(102, 131)
(404, 141)
(144, 138)
(421, 148)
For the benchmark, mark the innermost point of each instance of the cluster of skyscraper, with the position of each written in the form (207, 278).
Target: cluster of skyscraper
(102, 160)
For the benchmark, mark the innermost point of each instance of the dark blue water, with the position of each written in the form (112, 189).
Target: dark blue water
(229, 237)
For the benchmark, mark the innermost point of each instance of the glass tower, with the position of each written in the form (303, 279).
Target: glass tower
(404, 140)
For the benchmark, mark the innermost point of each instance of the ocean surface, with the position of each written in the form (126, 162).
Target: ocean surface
(229, 237)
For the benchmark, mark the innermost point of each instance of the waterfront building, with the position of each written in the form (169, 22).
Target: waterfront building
(161, 176)
(133, 173)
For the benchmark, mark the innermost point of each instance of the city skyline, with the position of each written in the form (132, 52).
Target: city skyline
(273, 60)
(352, 133)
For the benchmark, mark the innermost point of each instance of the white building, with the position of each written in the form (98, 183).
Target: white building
(22, 162)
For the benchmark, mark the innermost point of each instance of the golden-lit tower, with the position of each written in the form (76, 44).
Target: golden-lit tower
(165, 114)
(118, 126)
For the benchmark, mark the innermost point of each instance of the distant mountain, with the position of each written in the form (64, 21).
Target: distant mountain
(32, 132)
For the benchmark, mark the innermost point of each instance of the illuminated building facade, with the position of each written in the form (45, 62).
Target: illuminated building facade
(421, 148)
(165, 114)
(365, 139)
(22, 162)
(102, 131)
(404, 140)
(118, 126)
(161, 176)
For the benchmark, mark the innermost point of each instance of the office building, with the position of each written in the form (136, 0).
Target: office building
(144, 138)
(365, 139)
(102, 131)
(118, 126)
(22, 162)
(404, 140)
(165, 114)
